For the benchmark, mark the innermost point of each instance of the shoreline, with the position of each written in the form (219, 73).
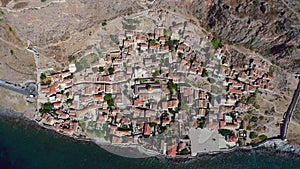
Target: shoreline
(274, 146)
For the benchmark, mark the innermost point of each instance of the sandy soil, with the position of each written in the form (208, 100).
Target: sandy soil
(17, 102)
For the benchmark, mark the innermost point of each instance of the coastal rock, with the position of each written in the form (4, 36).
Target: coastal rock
(281, 146)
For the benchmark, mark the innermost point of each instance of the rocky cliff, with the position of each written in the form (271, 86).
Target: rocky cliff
(268, 27)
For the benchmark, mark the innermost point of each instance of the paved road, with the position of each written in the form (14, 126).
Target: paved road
(288, 114)
(28, 89)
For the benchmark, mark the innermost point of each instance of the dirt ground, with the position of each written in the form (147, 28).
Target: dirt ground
(17, 102)
(294, 126)
(294, 133)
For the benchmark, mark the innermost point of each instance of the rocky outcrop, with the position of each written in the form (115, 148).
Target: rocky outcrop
(281, 146)
(271, 28)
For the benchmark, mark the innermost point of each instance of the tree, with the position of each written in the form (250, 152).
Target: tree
(111, 70)
(225, 132)
(216, 43)
(46, 108)
(175, 42)
(104, 23)
(101, 69)
(153, 124)
(11, 52)
(172, 87)
(71, 76)
(43, 76)
(170, 43)
(180, 55)
(253, 135)
(263, 137)
(72, 59)
(152, 42)
(108, 98)
(156, 73)
(185, 151)
(204, 73)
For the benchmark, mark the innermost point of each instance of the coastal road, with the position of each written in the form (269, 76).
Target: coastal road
(28, 89)
(288, 114)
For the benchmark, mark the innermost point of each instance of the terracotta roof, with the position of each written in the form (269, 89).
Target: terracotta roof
(52, 90)
(235, 91)
(57, 104)
(147, 129)
(172, 150)
(232, 138)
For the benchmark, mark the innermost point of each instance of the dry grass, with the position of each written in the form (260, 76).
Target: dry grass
(4, 2)
(293, 134)
(20, 5)
(16, 102)
(17, 67)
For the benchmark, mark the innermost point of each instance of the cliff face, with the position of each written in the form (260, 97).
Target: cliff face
(270, 28)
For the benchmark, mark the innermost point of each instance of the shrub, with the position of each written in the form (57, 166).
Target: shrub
(152, 42)
(225, 132)
(253, 135)
(101, 69)
(253, 119)
(216, 43)
(43, 76)
(204, 73)
(104, 23)
(248, 128)
(262, 137)
(108, 98)
(111, 70)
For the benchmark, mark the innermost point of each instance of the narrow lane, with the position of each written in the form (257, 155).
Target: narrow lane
(288, 114)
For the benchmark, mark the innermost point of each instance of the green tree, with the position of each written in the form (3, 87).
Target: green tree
(216, 43)
(43, 76)
(225, 132)
(46, 108)
(101, 69)
(104, 23)
(180, 55)
(156, 73)
(71, 58)
(253, 135)
(111, 70)
(108, 98)
(71, 76)
(262, 137)
(152, 42)
(175, 42)
(204, 73)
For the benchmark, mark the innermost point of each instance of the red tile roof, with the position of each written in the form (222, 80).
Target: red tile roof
(172, 150)
(52, 90)
(147, 129)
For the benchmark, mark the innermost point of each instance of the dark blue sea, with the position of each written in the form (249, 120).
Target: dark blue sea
(25, 146)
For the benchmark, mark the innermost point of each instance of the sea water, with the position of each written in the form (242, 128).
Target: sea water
(24, 146)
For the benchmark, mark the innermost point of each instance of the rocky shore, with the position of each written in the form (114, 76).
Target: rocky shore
(277, 146)
(280, 146)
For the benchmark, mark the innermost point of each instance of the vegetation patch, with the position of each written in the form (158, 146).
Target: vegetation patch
(262, 137)
(253, 135)
(225, 132)
(216, 43)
